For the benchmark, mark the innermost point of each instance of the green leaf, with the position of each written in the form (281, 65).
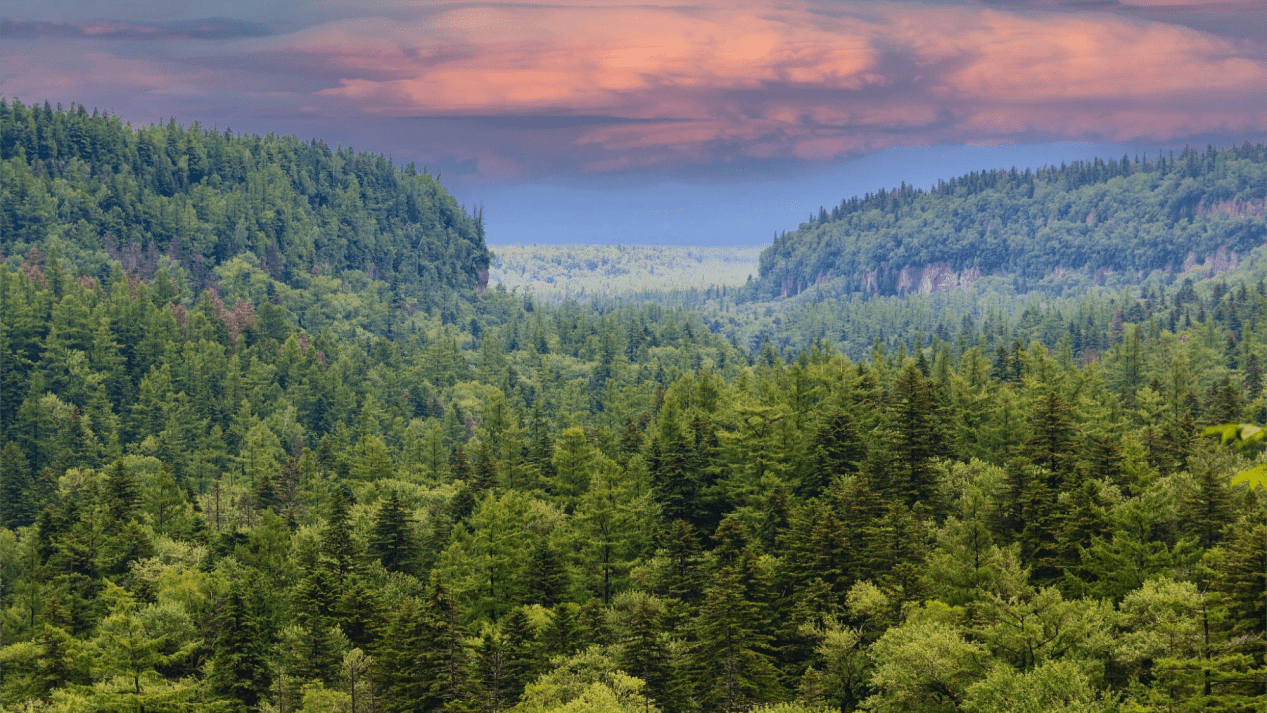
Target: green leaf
(1255, 477)
(1242, 435)
(1226, 432)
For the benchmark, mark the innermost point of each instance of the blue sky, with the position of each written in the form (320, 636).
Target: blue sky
(738, 213)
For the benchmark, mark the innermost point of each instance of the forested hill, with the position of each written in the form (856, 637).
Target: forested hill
(1122, 216)
(104, 190)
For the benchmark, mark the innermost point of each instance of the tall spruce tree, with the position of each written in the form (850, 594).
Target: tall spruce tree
(392, 539)
(733, 662)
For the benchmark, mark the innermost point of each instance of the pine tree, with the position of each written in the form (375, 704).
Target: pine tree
(548, 580)
(493, 676)
(318, 657)
(644, 654)
(563, 635)
(17, 489)
(122, 496)
(336, 542)
(1253, 379)
(732, 658)
(1224, 402)
(358, 612)
(682, 577)
(836, 451)
(422, 663)
(1208, 509)
(916, 436)
(1051, 436)
(523, 655)
(240, 670)
(402, 687)
(445, 656)
(392, 539)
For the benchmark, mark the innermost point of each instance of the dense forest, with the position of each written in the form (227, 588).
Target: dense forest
(239, 490)
(113, 193)
(1106, 216)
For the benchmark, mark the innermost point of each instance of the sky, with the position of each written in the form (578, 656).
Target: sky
(657, 122)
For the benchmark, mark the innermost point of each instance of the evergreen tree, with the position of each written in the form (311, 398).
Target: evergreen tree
(240, 670)
(836, 451)
(916, 436)
(1253, 378)
(17, 489)
(392, 539)
(645, 654)
(522, 653)
(548, 580)
(735, 669)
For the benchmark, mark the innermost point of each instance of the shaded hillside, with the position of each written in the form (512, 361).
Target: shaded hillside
(1121, 216)
(113, 191)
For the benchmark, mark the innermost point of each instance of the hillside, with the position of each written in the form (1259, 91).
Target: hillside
(109, 191)
(1127, 216)
(555, 272)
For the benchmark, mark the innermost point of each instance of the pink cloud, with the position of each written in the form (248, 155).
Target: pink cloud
(720, 81)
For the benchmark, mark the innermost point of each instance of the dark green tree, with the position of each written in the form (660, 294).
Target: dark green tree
(392, 539)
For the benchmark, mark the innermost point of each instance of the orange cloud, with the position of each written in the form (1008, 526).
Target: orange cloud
(763, 78)
(663, 83)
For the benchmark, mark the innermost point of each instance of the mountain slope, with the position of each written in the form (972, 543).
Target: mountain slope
(1124, 216)
(112, 191)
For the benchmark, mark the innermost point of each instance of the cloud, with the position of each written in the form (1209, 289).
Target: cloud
(215, 28)
(521, 88)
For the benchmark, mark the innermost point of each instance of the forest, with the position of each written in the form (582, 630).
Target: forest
(230, 487)
(553, 273)
(1129, 217)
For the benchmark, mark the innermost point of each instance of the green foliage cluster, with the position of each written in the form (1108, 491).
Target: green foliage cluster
(1128, 216)
(201, 198)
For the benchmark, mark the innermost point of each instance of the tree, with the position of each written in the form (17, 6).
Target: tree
(916, 436)
(922, 667)
(645, 654)
(392, 539)
(240, 670)
(548, 580)
(1057, 686)
(18, 489)
(610, 519)
(486, 561)
(837, 450)
(734, 664)
(574, 464)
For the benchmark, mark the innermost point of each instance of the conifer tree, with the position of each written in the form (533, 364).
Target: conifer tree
(392, 539)
(240, 670)
(735, 669)
(522, 652)
(682, 577)
(916, 436)
(548, 580)
(336, 542)
(645, 655)
(17, 489)
(836, 450)
(492, 674)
